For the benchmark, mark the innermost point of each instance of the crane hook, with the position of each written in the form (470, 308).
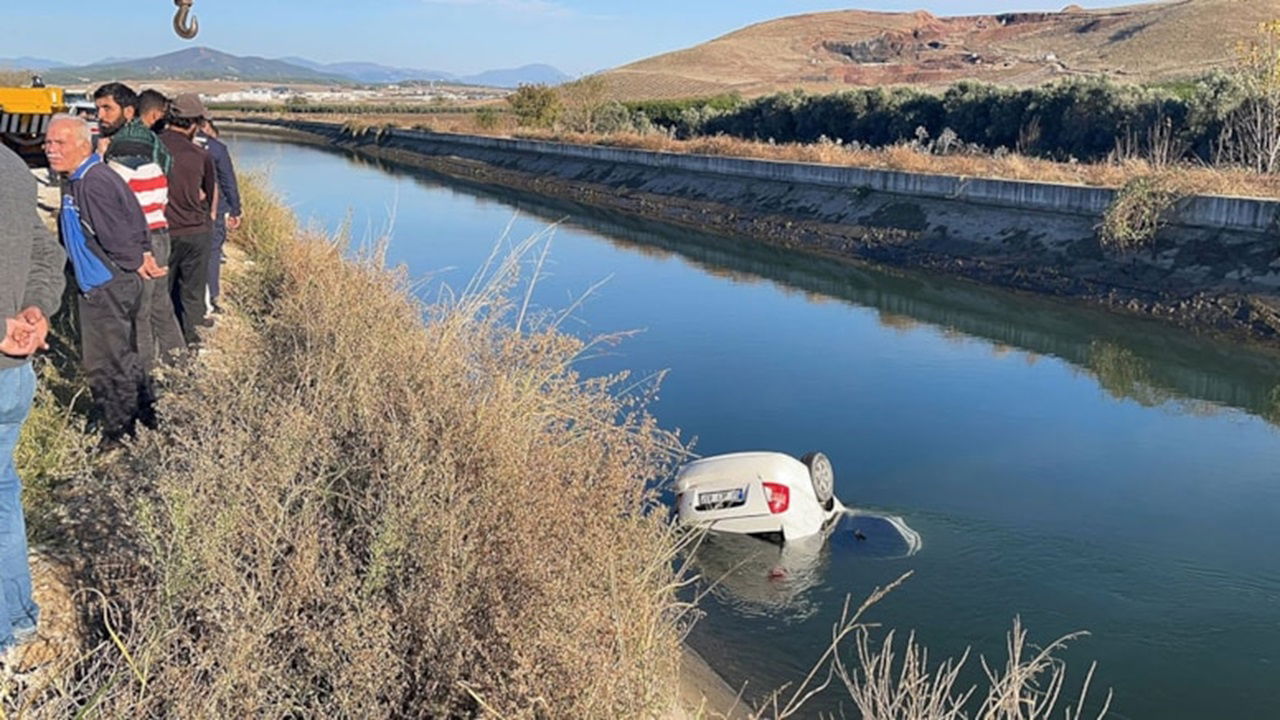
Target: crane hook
(180, 25)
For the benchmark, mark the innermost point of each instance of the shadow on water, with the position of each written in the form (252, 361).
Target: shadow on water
(1135, 359)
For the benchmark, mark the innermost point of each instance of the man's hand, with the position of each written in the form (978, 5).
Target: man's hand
(103, 144)
(35, 317)
(233, 222)
(149, 270)
(20, 337)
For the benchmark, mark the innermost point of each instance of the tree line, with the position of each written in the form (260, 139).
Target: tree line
(1228, 117)
(1087, 119)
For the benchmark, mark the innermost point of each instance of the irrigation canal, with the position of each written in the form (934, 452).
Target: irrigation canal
(1078, 469)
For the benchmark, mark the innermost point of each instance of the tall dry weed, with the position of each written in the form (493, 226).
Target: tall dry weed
(885, 683)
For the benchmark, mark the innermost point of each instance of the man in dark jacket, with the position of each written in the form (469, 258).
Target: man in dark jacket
(105, 236)
(192, 198)
(138, 156)
(229, 211)
(30, 287)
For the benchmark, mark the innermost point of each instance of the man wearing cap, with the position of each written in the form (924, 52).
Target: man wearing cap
(192, 197)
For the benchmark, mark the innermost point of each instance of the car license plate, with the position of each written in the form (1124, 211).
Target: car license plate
(721, 498)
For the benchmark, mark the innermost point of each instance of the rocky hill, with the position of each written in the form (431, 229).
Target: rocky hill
(827, 51)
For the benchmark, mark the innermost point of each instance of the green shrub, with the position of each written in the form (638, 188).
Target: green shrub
(1138, 211)
(488, 118)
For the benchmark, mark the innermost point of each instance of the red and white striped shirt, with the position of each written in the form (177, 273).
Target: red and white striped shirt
(151, 187)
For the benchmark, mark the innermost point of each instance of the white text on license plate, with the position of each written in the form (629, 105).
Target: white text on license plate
(722, 497)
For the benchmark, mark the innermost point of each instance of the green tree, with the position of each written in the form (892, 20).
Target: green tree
(536, 105)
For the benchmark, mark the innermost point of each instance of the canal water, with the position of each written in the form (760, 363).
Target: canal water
(1076, 469)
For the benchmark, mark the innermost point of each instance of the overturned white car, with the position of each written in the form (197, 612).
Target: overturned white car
(758, 493)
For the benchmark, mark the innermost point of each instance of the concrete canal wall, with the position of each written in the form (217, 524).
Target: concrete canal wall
(1214, 266)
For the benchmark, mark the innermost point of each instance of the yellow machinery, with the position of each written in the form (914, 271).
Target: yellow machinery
(24, 117)
(25, 111)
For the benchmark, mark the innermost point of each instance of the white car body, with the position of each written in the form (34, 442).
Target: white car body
(743, 493)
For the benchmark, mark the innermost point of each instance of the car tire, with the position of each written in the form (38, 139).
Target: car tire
(823, 478)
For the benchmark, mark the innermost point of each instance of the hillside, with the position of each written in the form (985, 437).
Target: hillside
(827, 51)
(197, 63)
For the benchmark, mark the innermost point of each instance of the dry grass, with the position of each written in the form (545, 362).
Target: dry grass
(358, 506)
(468, 123)
(1186, 179)
(1029, 685)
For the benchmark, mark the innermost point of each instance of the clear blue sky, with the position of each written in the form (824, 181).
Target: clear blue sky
(462, 36)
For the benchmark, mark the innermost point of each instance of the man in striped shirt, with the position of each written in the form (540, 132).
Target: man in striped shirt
(138, 156)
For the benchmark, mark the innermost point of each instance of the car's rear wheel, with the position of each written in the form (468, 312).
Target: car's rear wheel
(823, 477)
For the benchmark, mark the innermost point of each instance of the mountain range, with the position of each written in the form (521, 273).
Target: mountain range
(203, 63)
(27, 62)
(376, 74)
(196, 63)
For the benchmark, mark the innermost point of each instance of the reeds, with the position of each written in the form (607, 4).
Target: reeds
(884, 686)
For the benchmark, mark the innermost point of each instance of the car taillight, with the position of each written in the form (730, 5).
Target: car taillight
(778, 497)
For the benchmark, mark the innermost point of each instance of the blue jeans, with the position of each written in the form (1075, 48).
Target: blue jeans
(19, 612)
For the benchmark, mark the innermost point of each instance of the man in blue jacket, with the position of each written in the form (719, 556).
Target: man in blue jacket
(31, 281)
(229, 211)
(105, 236)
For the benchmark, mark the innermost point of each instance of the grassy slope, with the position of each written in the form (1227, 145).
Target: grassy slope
(1139, 42)
(352, 511)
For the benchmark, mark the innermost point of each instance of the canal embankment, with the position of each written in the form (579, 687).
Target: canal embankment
(1213, 266)
(345, 510)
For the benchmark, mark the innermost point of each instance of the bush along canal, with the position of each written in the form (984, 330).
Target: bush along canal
(1078, 468)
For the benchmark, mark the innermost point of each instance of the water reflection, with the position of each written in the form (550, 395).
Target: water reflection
(1134, 359)
(760, 578)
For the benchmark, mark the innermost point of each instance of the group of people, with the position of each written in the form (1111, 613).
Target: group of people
(146, 205)
(143, 220)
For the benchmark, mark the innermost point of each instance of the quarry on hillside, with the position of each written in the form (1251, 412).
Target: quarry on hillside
(825, 52)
